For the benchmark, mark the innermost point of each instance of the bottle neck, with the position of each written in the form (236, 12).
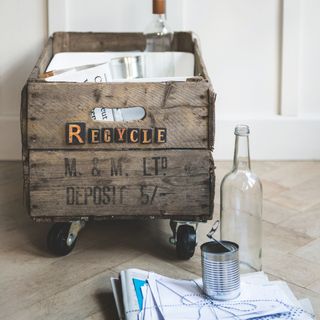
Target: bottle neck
(159, 17)
(241, 160)
(158, 25)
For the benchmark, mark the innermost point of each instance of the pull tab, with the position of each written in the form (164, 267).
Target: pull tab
(213, 229)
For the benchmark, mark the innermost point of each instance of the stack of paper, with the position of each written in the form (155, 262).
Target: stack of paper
(146, 295)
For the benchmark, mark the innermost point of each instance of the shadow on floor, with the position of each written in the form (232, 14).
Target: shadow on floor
(107, 305)
(146, 236)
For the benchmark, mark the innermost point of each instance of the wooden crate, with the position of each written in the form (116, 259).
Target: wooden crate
(170, 176)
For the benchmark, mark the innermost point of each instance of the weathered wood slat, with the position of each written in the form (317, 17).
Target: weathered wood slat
(97, 41)
(182, 41)
(181, 108)
(200, 68)
(162, 183)
(101, 41)
(24, 142)
(43, 61)
(201, 71)
(211, 117)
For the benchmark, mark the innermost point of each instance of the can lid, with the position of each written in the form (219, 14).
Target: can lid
(242, 130)
(159, 7)
(214, 248)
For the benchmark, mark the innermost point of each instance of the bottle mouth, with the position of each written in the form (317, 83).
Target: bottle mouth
(242, 130)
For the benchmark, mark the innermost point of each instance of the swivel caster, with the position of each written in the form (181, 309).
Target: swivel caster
(62, 237)
(186, 242)
(185, 239)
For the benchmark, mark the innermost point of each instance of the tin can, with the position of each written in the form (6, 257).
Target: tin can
(127, 68)
(220, 270)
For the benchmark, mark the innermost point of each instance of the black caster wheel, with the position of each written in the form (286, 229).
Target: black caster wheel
(186, 242)
(57, 239)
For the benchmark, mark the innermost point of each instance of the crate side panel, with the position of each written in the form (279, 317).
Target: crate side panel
(182, 41)
(180, 107)
(43, 61)
(199, 67)
(100, 41)
(121, 183)
(97, 41)
(24, 143)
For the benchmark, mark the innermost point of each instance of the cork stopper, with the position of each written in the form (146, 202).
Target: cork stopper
(159, 7)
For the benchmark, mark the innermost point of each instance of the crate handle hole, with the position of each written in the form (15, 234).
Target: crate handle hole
(118, 114)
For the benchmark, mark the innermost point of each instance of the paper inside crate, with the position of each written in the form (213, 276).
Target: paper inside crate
(129, 66)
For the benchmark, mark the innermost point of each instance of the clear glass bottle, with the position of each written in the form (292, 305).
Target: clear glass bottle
(241, 205)
(158, 34)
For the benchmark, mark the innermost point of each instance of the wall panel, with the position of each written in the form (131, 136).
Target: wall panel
(23, 32)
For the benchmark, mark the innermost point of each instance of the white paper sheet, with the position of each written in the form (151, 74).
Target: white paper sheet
(150, 309)
(130, 301)
(155, 68)
(182, 299)
(170, 299)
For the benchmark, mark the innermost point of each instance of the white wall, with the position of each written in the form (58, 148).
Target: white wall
(309, 58)
(23, 31)
(240, 46)
(106, 15)
(262, 56)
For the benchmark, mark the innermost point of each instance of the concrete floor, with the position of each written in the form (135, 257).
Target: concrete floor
(34, 285)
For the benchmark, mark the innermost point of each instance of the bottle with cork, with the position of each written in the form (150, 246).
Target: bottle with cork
(158, 34)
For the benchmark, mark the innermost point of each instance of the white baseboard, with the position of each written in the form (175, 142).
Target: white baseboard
(273, 138)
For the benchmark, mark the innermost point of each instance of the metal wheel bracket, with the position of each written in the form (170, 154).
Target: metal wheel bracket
(174, 225)
(74, 230)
